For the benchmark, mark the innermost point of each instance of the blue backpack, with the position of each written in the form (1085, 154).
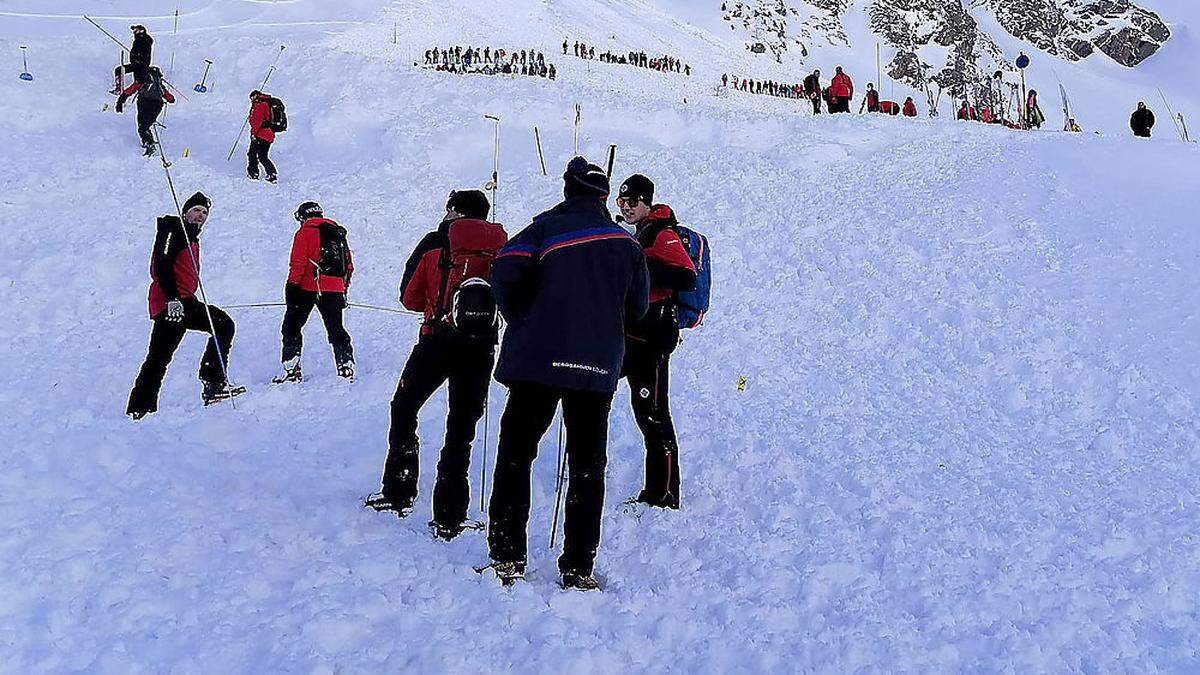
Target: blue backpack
(693, 305)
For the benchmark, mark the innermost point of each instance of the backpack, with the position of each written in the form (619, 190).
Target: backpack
(278, 119)
(466, 306)
(693, 305)
(335, 250)
(152, 90)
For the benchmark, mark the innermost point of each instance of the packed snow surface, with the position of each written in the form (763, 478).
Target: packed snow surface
(968, 439)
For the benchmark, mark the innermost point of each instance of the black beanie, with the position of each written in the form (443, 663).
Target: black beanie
(470, 203)
(197, 199)
(583, 179)
(638, 187)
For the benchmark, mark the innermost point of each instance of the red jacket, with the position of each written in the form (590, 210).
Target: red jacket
(666, 257)
(889, 107)
(174, 264)
(306, 253)
(841, 86)
(473, 245)
(910, 109)
(260, 119)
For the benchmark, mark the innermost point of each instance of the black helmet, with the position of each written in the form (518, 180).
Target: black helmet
(307, 210)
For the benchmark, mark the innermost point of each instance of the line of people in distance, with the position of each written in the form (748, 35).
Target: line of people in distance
(663, 64)
(487, 61)
(836, 97)
(585, 303)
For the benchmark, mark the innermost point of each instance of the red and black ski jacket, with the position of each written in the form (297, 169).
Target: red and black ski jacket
(872, 101)
(174, 271)
(910, 108)
(671, 271)
(459, 249)
(306, 254)
(260, 118)
(137, 86)
(841, 86)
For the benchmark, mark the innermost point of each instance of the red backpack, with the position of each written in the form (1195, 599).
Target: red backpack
(465, 304)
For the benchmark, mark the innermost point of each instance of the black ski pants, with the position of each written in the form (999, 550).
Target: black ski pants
(259, 153)
(527, 416)
(467, 367)
(165, 337)
(300, 305)
(648, 370)
(816, 104)
(147, 115)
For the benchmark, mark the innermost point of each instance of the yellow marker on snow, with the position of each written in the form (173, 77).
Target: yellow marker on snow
(185, 152)
(742, 383)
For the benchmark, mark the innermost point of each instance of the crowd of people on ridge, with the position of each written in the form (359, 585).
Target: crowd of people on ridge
(663, 64)
(490, 61)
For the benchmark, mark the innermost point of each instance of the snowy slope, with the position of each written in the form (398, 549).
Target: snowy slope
(969, 439)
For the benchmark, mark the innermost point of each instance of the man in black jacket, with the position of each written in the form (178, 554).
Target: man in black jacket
(1142, 121)
(175, 309)
(139, 56)
(812, 89)
(567, 284)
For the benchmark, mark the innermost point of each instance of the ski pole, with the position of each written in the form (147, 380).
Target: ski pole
(562, 460)
(537, 138)
(612, 157)
(578, 115)
(495, 182)
(262, 86)
(254, 305)
(196, 264)
(1169, 111)
(487, 417)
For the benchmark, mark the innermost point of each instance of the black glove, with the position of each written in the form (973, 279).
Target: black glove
(121, 102)
(292, 294)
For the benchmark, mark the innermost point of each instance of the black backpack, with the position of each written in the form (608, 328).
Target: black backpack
(335, 250)
(278, 119)
(152, 89)
(473, 310)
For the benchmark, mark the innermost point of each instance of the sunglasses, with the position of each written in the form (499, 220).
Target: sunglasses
(628, 202)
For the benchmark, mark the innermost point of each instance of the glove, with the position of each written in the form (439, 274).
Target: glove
(293, 294)
(174, 311)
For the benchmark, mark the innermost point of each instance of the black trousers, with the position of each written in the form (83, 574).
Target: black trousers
(300, 305)
(165, 337)
(816, 104)
(468, 369)
(259, 151)
(648, 370)
(147, 114)
(527, 416)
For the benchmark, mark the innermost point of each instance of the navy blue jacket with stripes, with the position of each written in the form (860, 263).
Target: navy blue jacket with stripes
(566, 285)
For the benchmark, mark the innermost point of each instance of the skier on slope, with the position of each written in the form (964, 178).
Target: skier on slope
(319, 270)
(445, 279)
(841, 90)
(649, 341)
(152, 92)
(139, 57)
(812, 89)
(567, 284)
(262, 135)
(1142, 121)
(174, 309)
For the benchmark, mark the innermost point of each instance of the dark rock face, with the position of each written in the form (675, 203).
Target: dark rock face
(1069, 29)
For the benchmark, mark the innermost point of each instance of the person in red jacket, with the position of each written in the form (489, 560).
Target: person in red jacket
(650, 340)
(871, 102)
(262, 135)
(319, 271)
(445, 273)
(152, 93)
(910, 108)
(174, 309)
(841, 90)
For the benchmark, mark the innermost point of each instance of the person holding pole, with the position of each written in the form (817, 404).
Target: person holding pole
(139, 57)
(319, 271)
(566, 284)
(174, 309)
(152, 94)
(446, 279)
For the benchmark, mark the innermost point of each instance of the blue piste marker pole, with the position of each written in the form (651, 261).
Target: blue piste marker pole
(25, 74)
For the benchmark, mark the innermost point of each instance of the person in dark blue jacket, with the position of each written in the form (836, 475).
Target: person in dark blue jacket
(567, 285)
